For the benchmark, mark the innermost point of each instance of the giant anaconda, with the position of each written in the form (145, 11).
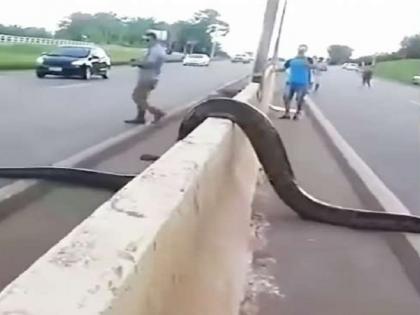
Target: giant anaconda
(272, 155)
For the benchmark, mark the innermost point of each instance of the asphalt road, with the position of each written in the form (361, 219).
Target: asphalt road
(45, 121)
(382, 124)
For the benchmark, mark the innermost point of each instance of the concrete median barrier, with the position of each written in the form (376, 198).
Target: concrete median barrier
(173, 241)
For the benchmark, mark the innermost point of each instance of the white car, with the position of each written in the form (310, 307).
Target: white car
(416, 79)
(196, 60)
(242, 58)
(351, 66)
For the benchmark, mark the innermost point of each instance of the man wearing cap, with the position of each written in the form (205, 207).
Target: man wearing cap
(150, 68)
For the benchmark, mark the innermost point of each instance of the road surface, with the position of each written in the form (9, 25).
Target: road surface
(382, 124)
(45, 121)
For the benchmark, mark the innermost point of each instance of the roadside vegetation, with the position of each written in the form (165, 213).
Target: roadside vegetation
(400, 65)
(398, 70)
(120, 36)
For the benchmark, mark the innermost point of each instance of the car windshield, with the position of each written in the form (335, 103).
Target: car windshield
(196, 56)
(77, 52)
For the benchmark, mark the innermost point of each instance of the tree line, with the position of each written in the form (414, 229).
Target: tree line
(17, 30)
(192, 35)
(409, 48)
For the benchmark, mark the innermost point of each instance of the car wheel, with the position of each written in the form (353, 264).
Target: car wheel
(105, 75)
(87, 73)
(40, 75)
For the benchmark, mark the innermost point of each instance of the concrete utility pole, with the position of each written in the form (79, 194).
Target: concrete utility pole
(265, 39)
(276, 47)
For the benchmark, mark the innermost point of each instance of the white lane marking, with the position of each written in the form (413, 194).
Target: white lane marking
(415, 102)
(68, 86)
(388, 200)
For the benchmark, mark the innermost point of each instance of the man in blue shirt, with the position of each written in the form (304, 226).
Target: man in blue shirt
(298, 82)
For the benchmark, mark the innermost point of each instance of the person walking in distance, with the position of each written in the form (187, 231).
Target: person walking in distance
(299, 81)
(317, 72)
(149, 71)
(367, 73)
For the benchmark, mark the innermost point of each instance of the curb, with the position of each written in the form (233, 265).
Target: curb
(21, 192)
(373, 192)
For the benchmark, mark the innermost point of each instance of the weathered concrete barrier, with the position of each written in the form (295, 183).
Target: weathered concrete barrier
(173, 241)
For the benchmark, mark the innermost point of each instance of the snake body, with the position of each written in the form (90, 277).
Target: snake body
(273, 157)
(77, 176)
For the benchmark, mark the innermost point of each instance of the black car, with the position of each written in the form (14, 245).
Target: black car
(80, 61)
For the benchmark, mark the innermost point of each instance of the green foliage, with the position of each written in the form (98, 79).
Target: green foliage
(410, 46)
(339, 54)
(107, 28)
(101, 28)
(121, 37)
(196, 35)
(20, 56)
(379, 58)
(399, 70)
(16, 30)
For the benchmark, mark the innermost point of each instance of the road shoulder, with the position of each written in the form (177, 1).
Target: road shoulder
(315, 268)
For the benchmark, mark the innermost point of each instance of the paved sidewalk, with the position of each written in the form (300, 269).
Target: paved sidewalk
(320, 269)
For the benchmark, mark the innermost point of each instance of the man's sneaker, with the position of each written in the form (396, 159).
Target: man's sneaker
(158, 117)
(285, 116)
(136, 121)
(296, 116)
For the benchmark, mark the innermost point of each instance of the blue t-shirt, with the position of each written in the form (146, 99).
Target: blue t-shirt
(299, 71)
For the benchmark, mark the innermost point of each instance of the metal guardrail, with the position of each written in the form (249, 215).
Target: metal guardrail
(10, 39)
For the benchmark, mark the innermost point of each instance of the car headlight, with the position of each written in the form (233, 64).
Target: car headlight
(80, 62)
(40, 60)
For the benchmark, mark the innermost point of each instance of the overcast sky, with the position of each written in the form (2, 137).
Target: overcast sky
(368, 26)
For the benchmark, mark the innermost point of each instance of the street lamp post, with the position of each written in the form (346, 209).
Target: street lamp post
(215, 31)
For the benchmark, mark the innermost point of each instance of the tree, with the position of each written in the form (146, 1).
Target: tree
(76, 26)
(196, 35)
(339, 54)
(410, 46)
(135, 28)
(27, 31)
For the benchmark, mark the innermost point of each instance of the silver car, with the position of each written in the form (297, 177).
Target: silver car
(416, 79)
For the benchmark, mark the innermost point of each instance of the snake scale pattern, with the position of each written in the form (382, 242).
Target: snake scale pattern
(272, 155)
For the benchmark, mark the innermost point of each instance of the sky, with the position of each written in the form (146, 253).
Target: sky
(368, 26)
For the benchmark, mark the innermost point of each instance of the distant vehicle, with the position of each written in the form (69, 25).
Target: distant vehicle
(351, 66)
(416, 79)
(241, 58)
(196, 60)
(80, 61)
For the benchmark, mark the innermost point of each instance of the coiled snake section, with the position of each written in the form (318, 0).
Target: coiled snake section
(272, 155)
